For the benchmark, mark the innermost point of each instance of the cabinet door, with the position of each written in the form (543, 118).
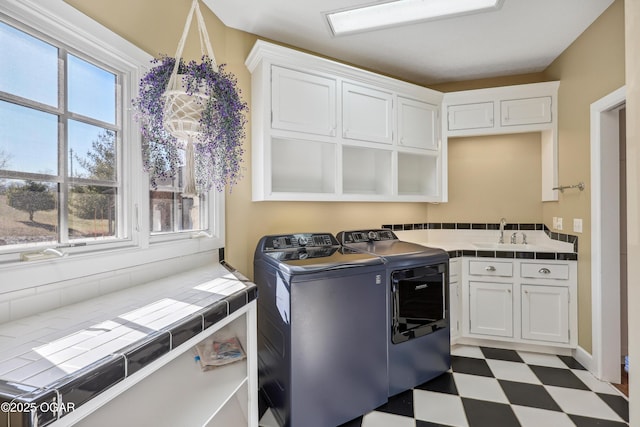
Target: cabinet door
(545, 313)
(454, 308)
(303, 102)
(417, 124)
(491, 308)
(366, 114)
(470, 116)
(528, 111)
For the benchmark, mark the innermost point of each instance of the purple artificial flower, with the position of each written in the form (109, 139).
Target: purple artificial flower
(218, 151)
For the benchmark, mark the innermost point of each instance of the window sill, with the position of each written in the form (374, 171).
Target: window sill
(35, 286)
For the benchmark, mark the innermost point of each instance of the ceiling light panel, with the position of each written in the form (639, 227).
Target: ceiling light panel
(401, 12)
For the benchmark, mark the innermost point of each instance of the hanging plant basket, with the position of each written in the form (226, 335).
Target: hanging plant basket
(195, 107)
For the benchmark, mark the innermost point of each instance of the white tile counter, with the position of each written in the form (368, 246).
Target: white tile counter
(74, 353)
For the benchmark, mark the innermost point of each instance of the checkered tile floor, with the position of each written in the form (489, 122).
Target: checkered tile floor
(489, 387)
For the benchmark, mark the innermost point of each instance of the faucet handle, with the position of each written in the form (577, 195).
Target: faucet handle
(514, 236)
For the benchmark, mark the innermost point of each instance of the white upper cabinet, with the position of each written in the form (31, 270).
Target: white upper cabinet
(470, 116)
(325, 131)
(303, 102)
(506, 109)
(509, 109)
(418, 124)
(366, 114)
(516, 112)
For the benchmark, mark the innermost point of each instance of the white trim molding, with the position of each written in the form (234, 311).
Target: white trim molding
(605, 236)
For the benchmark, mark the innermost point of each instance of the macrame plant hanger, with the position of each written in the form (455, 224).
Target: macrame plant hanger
(183, 111)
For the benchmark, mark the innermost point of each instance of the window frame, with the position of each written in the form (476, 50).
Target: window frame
(54, 20)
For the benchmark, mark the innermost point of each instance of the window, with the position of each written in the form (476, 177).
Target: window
(71, 160)
(171, 211)
(60, 144)
(71, 163)
(62, 149)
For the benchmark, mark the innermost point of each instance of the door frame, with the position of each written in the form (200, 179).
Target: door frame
(605, 235)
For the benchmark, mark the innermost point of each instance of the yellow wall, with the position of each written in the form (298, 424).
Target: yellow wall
(592, 67)
(589, 69)
(493, 177)
(156, 29)
(632, 22)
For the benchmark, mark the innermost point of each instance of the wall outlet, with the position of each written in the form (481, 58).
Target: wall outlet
(555, 222)
(577, 225)
(559, 224)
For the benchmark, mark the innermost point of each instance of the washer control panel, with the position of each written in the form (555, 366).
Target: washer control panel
(363, 236)
(299, 240)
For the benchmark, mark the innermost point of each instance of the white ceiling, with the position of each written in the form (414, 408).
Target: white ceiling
(523, 36)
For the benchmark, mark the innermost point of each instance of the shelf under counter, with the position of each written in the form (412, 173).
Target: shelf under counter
(71, 363)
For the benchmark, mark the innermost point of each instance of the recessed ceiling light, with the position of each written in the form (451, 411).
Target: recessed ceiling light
(388, 14)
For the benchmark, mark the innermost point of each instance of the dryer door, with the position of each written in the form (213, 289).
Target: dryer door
(419, 301)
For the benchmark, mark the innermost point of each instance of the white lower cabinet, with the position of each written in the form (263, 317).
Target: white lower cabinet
(491, 309)
(545, 313)
(455, 300)
(519, 301)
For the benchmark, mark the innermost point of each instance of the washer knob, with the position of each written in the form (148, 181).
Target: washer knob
(372, 235)
(302, 241)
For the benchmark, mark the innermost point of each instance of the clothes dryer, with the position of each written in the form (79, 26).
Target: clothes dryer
(417, 286)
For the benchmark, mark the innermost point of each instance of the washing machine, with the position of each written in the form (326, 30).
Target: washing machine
(322, 360)
(417, 287)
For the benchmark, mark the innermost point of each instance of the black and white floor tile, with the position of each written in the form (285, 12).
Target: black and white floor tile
(488, 387)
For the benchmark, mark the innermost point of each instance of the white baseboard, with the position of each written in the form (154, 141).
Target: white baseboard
(585, 359)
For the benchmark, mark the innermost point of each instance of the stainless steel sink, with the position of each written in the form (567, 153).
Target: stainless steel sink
(512, 247)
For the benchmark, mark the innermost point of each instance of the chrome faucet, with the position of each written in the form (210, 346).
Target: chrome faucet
(515, 235)
(503, 222)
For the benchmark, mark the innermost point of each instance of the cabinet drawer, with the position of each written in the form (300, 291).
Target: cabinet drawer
(544, 271)
(491, 268)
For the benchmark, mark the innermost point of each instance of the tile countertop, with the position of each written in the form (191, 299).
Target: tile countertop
(483, 243)
(69, 355)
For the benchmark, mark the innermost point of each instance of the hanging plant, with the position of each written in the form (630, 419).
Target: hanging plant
(195, 107)
(218, 150)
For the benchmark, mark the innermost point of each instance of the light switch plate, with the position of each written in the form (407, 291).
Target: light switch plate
(577, 225)
(559, 224)
(555, 222)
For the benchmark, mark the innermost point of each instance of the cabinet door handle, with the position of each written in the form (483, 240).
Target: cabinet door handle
(490, 268)
(544, 271)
